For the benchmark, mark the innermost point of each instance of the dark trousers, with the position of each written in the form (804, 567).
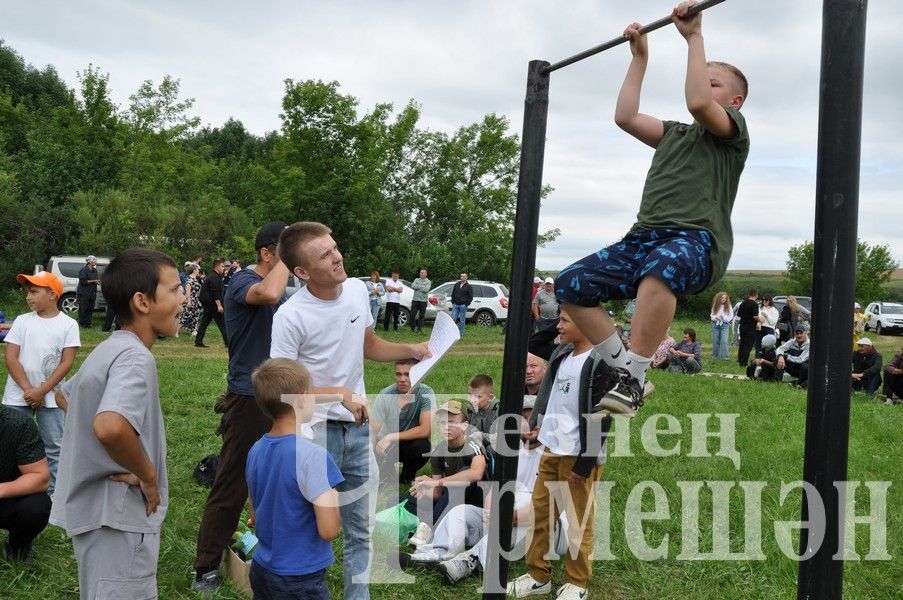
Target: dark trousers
(24, 517)
(893, 385)
(392, 309)
(800, 371)
(211, 314)
(242, 424)
(868, 384)
(85, 309)
(267, 585)
(412, 454)
(418, 313)
(473, 495)
(766, 373)
(108, 320)
(747, 341)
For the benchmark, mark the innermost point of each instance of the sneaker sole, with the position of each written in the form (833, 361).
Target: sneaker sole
(607, 408)
(544, 590)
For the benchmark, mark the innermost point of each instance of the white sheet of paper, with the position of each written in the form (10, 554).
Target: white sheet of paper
(445, 334)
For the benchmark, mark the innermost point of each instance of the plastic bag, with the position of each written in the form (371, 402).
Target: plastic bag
(395, 523)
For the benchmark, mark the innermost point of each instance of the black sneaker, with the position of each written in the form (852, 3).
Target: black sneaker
(621, 394)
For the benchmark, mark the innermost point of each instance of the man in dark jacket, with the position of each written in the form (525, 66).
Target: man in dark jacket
(211, 298)
(86, 292)
(747, 313)
(866, 368)
(893, 379)
(461, 297)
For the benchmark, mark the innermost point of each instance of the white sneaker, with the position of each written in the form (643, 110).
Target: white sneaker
(423, 535)
(525, 586)
(569, 591)
(462, 566)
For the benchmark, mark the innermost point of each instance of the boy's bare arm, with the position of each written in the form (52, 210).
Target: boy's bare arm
(15, 368)
(120, 441)
(698, 87)
(326, 511)
(628, 117)
(33, 478)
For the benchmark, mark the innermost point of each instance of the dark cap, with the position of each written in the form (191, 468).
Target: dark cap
(269, 234)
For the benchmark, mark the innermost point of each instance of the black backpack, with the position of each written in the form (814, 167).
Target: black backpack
(205, 471)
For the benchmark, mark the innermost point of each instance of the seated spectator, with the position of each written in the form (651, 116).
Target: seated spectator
(686, 357)
(793, 357)
(458, 460)
(893, 380)
(660, 358)
(763, 368)
(24, 478)
(866, 368)
(400, 423)
(483, 409)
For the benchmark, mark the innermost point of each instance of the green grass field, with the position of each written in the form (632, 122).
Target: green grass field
(769, 441)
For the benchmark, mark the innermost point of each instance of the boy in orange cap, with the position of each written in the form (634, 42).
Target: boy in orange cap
(40, 351)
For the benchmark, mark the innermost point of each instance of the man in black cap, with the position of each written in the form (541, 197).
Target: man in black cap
(252, 298)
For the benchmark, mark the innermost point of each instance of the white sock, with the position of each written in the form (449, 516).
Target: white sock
(612, 351)
(637, 366)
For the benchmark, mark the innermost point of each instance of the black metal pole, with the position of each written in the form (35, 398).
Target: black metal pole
(621, 39)
(834, 285)
(526, 225)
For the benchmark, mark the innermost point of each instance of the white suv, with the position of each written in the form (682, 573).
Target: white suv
(884, 317)
(489, 306)
(67, 268)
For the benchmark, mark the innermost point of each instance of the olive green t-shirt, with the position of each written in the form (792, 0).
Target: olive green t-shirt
(692, 184)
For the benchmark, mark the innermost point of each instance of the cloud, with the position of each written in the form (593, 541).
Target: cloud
(462, 60)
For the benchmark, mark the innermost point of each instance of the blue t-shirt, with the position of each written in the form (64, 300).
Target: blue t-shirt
(282, 490)
(248, 327)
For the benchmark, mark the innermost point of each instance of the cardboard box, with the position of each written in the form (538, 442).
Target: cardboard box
(237, 570)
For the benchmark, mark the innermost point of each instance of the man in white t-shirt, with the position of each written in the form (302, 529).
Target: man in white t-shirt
(394, 288)
(326, 327)
(41, 348)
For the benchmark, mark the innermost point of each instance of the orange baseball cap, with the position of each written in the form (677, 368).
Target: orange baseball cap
(43, 279)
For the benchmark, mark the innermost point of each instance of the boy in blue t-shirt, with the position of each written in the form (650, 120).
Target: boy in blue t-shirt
(292, 486)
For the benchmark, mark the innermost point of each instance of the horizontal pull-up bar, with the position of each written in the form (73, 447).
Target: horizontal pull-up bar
(621, 39)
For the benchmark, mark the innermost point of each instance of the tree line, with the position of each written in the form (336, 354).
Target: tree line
(82, 175)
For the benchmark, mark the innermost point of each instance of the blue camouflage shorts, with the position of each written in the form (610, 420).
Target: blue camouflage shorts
(680, 258)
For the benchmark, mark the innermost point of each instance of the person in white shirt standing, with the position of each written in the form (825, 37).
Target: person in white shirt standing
(326, 327)
(40, 351)
(394, 287)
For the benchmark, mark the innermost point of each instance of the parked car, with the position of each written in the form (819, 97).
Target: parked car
(67, 268)
(489, 306)
(884, 317)
(805, 303)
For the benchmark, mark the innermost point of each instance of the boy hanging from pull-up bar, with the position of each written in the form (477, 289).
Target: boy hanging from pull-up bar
(682, 239)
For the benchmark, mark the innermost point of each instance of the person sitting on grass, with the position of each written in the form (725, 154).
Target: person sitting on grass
(400, 424)
(291, 482)
(660, 358)
(893, 380)
(24, 477)
(464, 526)
(458, 461)
(112, 491)
(571, 463)
(686, 357)
(40, 351)
(793, 357)
(484, 408)
(866, 368)
(763, 368)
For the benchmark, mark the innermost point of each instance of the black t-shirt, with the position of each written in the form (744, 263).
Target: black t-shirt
(446, 461)
(249, 328)
(20, 443)
(747, 313)
(212, 290)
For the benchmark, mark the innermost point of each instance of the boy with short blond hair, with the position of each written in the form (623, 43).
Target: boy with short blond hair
(112, 491)
(40, 351)
(291, 482)
(682, 240)
(483, 408)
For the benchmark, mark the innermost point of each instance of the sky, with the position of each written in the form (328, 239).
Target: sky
(461, 60)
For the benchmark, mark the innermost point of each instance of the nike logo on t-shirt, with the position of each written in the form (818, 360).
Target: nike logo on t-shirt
(355, 318)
